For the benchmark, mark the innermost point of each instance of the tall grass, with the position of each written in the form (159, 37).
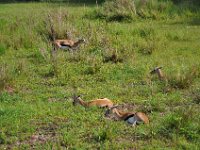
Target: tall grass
(113, 10)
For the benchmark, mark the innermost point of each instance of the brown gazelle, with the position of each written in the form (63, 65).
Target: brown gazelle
(132, 118)
(159, 72)
(68, 44)
(102, 102)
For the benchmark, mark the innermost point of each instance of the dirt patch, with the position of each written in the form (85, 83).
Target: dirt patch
(45, 132)
(9, 89)
(26, 90)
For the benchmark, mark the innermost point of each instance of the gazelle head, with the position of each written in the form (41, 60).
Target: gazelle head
(110, 110)
(76, 99)
(159, 72)
(155, 70)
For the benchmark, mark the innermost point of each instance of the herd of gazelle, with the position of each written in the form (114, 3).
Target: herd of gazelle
(130, 117)
(133, 118)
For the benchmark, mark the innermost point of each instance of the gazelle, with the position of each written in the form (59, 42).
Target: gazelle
(132, 118)
(159, 72)
(102, 102)
(68, 44)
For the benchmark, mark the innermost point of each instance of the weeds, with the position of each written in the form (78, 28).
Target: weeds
(179, 123)
(5, 78)
(194, 94)
(183, 80)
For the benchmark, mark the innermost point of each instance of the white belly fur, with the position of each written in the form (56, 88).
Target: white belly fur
(132, 120)
(65, 47)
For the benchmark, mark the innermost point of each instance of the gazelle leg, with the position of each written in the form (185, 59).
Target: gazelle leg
(134, 124)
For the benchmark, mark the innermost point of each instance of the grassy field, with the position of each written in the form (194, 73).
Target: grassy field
(36, 108)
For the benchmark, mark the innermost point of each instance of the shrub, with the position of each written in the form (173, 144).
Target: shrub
(127, 10)
(118, 10)
(122, 9)
(194, 2)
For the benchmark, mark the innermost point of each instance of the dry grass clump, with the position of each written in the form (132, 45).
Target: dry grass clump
(114, 58)
(183, 80)
(5, 77)
(56, 21)
(194, 95)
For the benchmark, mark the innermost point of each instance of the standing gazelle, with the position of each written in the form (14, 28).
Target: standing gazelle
(102, 102)
(159, 72)
(130, 117)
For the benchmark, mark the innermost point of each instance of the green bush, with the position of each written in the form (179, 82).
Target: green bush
(186, 1)
(118, 10)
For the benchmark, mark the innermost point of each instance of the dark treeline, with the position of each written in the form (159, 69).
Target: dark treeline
(193, 2)
(72, 1)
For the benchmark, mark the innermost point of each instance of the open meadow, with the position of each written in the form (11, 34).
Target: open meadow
(121, 48)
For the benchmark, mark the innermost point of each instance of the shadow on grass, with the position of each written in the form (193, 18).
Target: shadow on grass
(192, 22)
(195, 21)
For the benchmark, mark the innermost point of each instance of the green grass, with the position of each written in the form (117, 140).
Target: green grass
(41, 103)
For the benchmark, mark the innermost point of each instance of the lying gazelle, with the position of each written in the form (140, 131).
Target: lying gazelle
(102, 102)
(159, 72)
(130, 117)
(68, 44)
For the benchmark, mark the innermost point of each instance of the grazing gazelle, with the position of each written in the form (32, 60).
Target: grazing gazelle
(130, 117)
(68, 44)
(158, 71)
(102, 102)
